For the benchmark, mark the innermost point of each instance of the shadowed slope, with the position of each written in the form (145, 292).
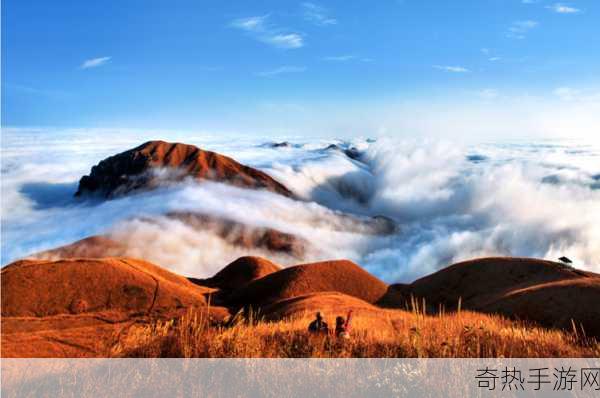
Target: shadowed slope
(477, 281)
(543, 291)
(556, 304)
(241, 272)
(140, 168)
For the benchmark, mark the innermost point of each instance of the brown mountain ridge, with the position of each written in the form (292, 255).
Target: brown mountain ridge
(51, 308)
(140, 169)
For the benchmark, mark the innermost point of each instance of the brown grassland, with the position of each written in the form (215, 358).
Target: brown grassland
(120, 307)
(391, 333)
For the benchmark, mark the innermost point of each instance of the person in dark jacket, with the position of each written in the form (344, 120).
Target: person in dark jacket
(340, 326)
(318, 326)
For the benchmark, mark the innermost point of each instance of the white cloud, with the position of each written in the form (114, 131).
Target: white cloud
(251, 24)
(317, 15)
(259, 29)
(494, 59)
(94, 62)
(340, 58)
(453, 69)
(282, 70)
(519, 29)
(290, 40)
(563, 9)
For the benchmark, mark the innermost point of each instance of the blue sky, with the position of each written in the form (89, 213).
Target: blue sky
(480, 68)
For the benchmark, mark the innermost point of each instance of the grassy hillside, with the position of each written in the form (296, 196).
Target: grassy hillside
(390, 333)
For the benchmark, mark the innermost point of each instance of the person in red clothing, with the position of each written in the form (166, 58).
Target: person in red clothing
(342, 326)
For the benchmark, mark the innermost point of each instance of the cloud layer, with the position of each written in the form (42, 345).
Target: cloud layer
(450, 203)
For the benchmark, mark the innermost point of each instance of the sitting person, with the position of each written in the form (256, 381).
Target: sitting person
(318, 325)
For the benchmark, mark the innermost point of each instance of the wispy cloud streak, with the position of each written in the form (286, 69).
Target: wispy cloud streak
(453, 69)
(519, 29)
(317, 14)
(95, 62)
(282, 70)
(258, 28)
(560, 8)
(340, 58)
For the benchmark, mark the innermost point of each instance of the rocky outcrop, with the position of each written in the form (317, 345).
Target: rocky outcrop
(157, 163)
(234, 233)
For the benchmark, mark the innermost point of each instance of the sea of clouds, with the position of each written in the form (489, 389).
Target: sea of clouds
(450, 202)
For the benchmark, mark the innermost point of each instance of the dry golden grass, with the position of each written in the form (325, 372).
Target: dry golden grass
(388, 333)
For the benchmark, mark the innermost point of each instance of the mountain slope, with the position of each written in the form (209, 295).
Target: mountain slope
(158, 162)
